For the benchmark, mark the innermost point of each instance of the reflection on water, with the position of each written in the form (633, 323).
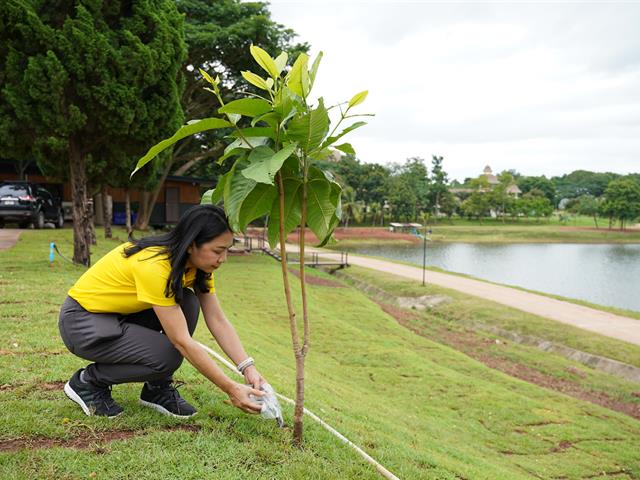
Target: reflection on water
(602, 274)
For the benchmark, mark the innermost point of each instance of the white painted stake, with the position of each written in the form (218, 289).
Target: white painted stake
(383, 471)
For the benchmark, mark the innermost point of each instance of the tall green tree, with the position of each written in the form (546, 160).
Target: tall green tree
(542, 183)
(622, 200)
(218, 34)
(275, 169)
(81, 76)
(439, 182)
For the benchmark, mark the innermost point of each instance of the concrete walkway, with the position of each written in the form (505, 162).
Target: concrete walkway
(8, 237)
(604, 323)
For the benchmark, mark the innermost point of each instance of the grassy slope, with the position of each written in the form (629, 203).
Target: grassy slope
(423, 409)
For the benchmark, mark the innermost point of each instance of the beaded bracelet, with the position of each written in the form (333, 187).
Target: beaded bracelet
(243, 365)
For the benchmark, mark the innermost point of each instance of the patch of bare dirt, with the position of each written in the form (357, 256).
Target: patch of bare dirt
(312, 280)
(94, 440)
(478, 348)
(47, 387)
(368, 233)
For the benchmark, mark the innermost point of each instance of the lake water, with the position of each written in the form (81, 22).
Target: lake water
(601, 274)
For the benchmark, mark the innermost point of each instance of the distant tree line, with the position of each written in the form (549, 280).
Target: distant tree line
(417, 191)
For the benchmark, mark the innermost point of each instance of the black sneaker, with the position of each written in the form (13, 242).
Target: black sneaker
(164, 398)
(93, 400)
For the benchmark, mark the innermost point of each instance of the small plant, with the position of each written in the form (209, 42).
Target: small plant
(274, 151)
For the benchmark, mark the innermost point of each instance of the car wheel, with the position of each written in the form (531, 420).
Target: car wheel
(60, 221)
(1, 223)
(39, 221)
(24, 224)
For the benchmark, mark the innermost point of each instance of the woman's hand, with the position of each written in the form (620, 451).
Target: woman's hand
(253, 378)
(239, 397)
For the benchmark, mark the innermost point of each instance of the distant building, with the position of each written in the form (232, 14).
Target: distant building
(491, 178)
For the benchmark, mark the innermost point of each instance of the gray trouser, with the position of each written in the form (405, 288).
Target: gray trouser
(125, 348)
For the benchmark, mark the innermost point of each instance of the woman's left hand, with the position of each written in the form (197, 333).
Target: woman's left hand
(253, 378)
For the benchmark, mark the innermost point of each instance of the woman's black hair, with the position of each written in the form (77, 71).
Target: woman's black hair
(199, 224)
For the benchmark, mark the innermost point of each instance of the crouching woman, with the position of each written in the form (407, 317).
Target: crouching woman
(134, 312)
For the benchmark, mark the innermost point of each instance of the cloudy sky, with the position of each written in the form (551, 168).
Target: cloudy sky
(543, 88)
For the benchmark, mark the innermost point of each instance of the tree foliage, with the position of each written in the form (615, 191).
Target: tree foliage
(80, 78)
(274, 167)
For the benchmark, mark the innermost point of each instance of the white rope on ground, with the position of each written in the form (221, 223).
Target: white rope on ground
(383, 471)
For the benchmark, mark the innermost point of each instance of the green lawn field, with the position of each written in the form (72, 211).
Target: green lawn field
(416, 404)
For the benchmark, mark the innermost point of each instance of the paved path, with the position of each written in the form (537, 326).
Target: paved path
(8, 237)
(609, 324)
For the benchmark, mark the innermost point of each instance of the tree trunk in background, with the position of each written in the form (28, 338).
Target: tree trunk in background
(127, 210)
(78, 178)
(144, 212)
(106, 212)
(91, 223)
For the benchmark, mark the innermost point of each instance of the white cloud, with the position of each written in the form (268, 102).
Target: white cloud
(542, 88)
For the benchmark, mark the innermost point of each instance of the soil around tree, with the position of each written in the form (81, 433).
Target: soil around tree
(97, 441)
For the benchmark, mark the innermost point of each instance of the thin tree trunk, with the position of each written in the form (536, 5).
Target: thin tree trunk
(300, 357)
(106, 212)
(595, 220)
(295, 339)
(78, 178)
(91, 223)
(127, 210)
(144, 211)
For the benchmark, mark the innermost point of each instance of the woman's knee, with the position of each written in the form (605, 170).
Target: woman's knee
(166, 361)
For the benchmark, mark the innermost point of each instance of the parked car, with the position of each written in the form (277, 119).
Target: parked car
(27, 203)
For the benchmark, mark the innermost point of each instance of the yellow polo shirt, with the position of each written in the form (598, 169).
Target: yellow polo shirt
(118, 284)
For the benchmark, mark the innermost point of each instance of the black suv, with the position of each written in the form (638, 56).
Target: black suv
(27, 203)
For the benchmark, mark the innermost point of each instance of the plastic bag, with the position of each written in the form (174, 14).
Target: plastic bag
(270, 405)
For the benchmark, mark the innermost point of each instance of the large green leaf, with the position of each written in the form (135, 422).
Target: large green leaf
(265, 61)
(314, 70)
(257, 204)
(236, 189)
(206, 197)
(358, 98)
(292, 210)
(281, 61)
(270, 118)
(265, 163)
(185, 131)
(320, 208)
(309, 129)
(346, 148)
(336, 201)
(350, 128)
(254, 132)
(246, 143)
(218, 192)
(298, 77)
(285, 105)
(249, 107)
(255, 80)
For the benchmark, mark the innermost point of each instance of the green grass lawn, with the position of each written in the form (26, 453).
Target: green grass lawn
(422, 408)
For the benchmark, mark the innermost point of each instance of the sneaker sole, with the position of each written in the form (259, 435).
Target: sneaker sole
(69, 392)
(162, 410)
